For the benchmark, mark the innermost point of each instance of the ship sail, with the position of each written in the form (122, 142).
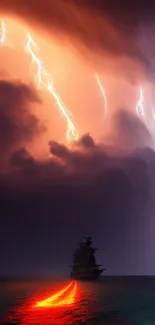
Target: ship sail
(84, 262)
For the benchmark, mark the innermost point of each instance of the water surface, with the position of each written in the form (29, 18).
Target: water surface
(111, 301)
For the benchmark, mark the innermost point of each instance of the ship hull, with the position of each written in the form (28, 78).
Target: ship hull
(87, 277)
(84, 263)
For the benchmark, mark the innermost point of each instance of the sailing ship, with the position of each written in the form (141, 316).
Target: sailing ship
(84, 263)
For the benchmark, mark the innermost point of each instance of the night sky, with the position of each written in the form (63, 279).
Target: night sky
(105, 189)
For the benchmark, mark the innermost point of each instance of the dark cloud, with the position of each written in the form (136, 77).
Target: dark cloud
(87, 141)
(59, 150)
(128, 11)
(22, 157)
(18, 125)
(86, 160)
(130, 132)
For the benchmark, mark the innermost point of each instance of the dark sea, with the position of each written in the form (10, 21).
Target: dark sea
(110, 301)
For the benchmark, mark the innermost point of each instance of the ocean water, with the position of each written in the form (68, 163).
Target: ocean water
(110, 301)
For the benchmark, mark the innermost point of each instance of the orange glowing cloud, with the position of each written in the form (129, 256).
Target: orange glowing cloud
(58, 65)
(44, 80)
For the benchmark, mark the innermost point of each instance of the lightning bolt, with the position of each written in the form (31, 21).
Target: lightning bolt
(43, 78)
(2, 33)
(139, 107)
(153, 113)
(102, 92)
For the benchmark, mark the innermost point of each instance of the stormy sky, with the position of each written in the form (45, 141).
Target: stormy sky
(101, 186)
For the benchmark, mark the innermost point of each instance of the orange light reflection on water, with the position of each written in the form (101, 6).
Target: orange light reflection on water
(59, 299)
(58, 309)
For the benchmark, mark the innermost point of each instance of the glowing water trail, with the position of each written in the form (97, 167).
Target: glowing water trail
(102, 92)
(52, 300)
(69, 299)
(43, 78)
(139, 107)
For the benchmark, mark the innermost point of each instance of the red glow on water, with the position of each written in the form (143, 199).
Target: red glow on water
(46, 308)
(66, 296)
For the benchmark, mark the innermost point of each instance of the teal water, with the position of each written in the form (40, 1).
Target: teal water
(111, 301)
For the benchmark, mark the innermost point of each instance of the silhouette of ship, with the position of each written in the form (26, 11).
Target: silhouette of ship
(84, 262)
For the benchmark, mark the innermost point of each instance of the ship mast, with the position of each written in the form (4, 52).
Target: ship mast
(84, 262)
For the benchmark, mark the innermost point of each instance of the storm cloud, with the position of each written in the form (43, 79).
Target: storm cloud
(101, 28)
(18, 124)
(79, 188)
